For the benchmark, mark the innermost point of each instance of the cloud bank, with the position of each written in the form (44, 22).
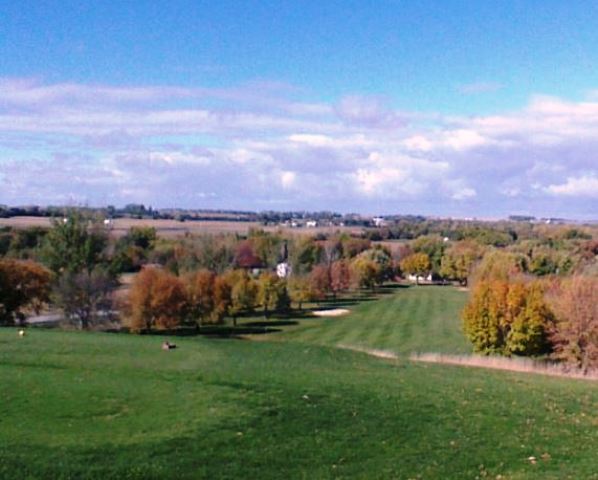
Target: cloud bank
(263, 146)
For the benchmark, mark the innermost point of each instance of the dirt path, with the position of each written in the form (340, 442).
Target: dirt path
(386, 354)
(522, 365)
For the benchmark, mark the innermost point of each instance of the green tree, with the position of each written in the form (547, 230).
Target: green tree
(74, 244)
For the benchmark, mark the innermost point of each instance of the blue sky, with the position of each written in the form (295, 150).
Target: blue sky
(465, 108)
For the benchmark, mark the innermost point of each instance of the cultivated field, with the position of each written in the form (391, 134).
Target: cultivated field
(112, 406)
(174, 228)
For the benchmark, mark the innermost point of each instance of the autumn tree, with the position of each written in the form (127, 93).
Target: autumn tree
(499, 265)
(243, 293)
(272, 293)
(340, 276)
(459, 259)
(384, 265)
(433, 246)
(354, 246)
(200, 295)
(23, 284)
(222, 302)
(157, 300)
(300, 290)
(319, 280)
(417, 264)
(575, 334)
(365, 272)
(508, 318)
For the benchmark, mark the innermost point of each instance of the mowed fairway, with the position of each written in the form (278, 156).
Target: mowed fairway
(109, 406)
(403, 320)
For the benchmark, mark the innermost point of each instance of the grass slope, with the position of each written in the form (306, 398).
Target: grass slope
(404, 320)
(105, 406)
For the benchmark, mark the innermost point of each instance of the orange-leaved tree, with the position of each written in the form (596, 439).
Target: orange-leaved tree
(575, 335)
(23, 284)
(157, 300)
(200, 295)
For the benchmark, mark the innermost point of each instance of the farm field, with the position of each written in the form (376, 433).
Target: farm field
(174, 228)
(98, 405)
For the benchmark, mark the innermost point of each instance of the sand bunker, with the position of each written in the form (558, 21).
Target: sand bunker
(334, 312)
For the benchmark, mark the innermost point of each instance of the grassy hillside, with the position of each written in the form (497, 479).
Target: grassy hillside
(401, 319)
(85, 405)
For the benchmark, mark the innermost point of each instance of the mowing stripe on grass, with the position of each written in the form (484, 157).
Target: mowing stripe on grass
(406, 320)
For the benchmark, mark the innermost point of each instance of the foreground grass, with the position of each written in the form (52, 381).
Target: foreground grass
(76, 405)
(401, 319)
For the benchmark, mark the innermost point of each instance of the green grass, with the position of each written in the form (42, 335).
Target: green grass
(108, 406)
(403, 320)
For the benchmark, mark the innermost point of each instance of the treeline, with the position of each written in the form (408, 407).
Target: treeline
(517, 285)
(193, 279)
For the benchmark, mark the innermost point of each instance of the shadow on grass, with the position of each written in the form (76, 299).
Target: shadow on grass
(271, 323)
(220, 331)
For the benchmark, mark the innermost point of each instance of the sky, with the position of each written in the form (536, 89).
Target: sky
(450, 108)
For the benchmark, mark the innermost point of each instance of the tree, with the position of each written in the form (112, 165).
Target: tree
(300, 290)
(459, 259)
(272, 293)
(417, 264)
(222, 299)
(365, 271)
(243, 293)
(384, 266)
(340, 276)
(85, 297)
(200, 295)
(433, 246)
(23, 284)
(508, 318)
(304, 254)
(499, 265)
(575, 334)
(73, 245)
(132, 250)
(319, 281)
(157, 300)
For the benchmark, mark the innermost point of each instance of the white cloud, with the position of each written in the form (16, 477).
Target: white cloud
(586, 186)
(287, 179)
(257, 145)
